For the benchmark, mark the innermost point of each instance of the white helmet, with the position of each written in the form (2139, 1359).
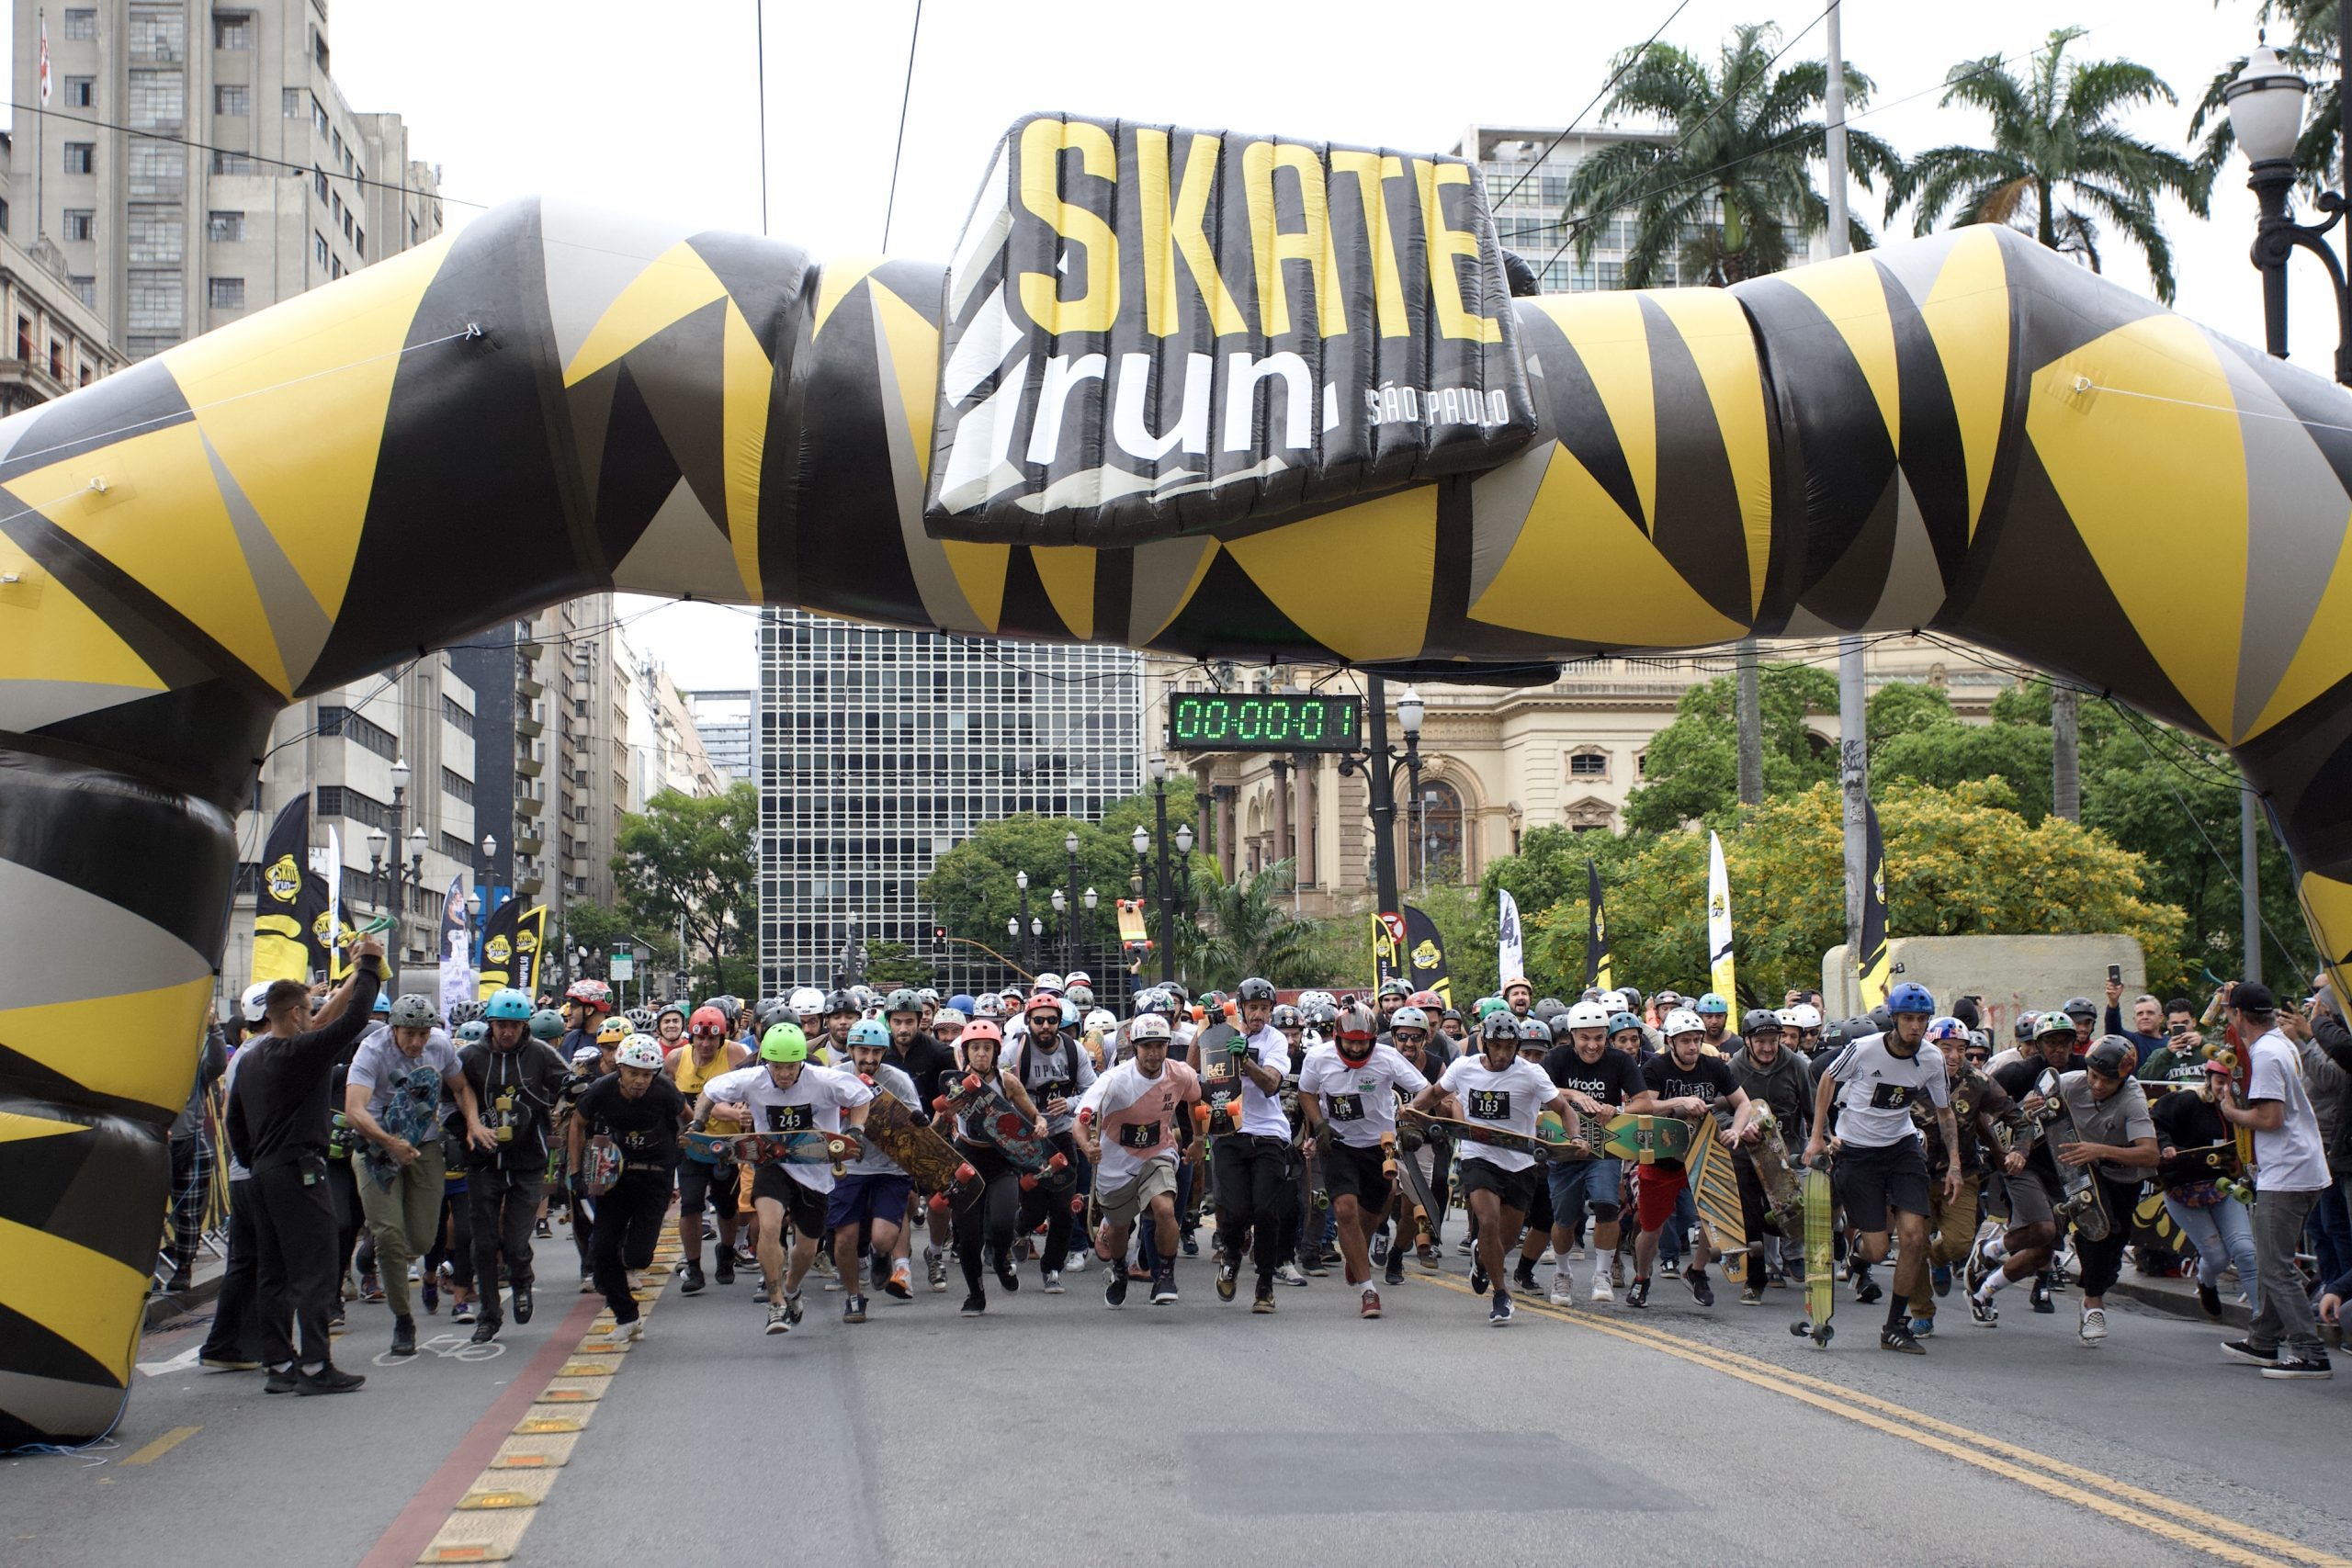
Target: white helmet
(1786, 1016)
(1409, 1017)
(1587, 1015)
(640, 1051)
(1077, 978)
(1102, 1018)
(986, 1005)
(1148, 1026)
(948, 1015)
(1317, 999)
(250, 1004)
(586, 1056)
(1049, 981)
(1682, 1020)
(804, 1001)
(1804, 1015)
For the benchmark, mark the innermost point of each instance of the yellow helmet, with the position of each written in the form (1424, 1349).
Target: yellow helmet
(614, 1031)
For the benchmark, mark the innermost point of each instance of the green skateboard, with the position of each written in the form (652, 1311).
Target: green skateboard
(1645, 1140)
(1820, 1237)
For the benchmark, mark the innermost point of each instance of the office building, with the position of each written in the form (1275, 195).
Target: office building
(727, 721)
(666, 748)
(60, 344)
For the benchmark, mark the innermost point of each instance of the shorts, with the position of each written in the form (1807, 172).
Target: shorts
(1579, 1185)
(859, 1200)
(803, 1204)
(1515, 1188)
(1121, 1205)
(1358, 1173)
(1870, 1181)
(1656, 1188)
(2029, 1199)
(701, 1185)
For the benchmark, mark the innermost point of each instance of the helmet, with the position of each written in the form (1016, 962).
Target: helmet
(1394, 988)
(1043, 1001)
(1711, 1003)
(960, 1002)
(1453, 1013)
(1426, 1000)
(927, 995)
(666, 1008)
(1803, 1016)
(1587, 1015)
(1308, 999)
(1069, 1013)
(1912, 996)
(902, 1000)
(1667, 1001)
(2050, 1023)
(981, 1028)
(249, 1005)
(805, 1000)
(1321, 1015)
(840, 1002)
(586, 1056)
(465, 1012)
(708, 1023)
(870, 1031)
(2026, 1024)
(641, 1019)
(1080, 993)
(1354, 1022)
(1147, 1026)
(2111, 1054)
(594, 993)
(947, 1015)
(1534, 1029)
(1621, 1021)
(1288, 1017)
(546, 1024)
(1519, 981)
(987, 1007)
(1549, 1008)
(412, 1012)
(1488, 1005)
(612, 1033)
(1077, 978)
(1629, 999)
(1409, 1017)
(783, 1042)
(1500, 1025)
(1946, 1028)
(383, 1003)
(1681, 1020)
(2079, 1006)
(1760, 1018)
(640, 1051)
(1048, 981)
(472, 1032)
(508, 1003)
(1254, 990)
(1159, 1002)
(865, 996)
(1102, 1018)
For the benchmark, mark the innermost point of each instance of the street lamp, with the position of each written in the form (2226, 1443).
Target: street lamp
(1061, 919)
(377, 839)
(1379, 762)
(1073, 941)
(1143, 840)
(1409, 720)
(1020, 881)
(1070, 931)
(2266, 106)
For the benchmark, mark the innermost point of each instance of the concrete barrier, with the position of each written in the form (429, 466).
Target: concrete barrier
(2010, 975)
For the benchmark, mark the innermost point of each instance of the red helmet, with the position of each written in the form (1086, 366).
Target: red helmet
(1044, 1001)
(707, 1021)
(1428, 1001)
(594, 994)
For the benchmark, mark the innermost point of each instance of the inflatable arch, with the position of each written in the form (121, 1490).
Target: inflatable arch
(1969, 434)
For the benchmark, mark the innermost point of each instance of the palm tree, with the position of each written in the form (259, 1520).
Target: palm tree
(2059, 166)
(1246, 931)
(1735, 186)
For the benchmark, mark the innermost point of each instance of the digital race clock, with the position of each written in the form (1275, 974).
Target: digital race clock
(1219, 721)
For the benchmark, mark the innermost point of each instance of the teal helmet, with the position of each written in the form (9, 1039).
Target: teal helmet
(508, 1005)
(870, 1031)
(546, 1024)
(472, 1032)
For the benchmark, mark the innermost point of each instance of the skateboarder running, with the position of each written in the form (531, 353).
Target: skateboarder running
(1126, 1124)
(1495, 1087)
(1597, 1081)
(639, 1110)
(517, 1082)
(2029, 1177)
(1682, 1081)
(1054, 1068)
(869, 1200)
(1347, 1092)
(786, 1092)
(984, 1216)
(1881, 1168)
(1252, 1169)
(707, 1054)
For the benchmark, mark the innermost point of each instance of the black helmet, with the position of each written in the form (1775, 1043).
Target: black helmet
(1287, 1017)
(1549, 1008)
(2026, 1025)
(840, 1002)
(903, 1000)
(1321, 1015)
(1759, 1018)
(2079, 1006)
(1255, 990)
(1500, 1024)
(2111, 1054)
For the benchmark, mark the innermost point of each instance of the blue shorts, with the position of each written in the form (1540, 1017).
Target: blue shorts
(1577, 1184)
(857, 1200)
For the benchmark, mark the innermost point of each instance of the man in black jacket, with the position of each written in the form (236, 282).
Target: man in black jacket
(516, 1082)
(278, 1124)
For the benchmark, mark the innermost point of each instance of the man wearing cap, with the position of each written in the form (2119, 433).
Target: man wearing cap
(2291, 1172)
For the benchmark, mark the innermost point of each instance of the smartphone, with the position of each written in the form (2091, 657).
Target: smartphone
(2115, 974)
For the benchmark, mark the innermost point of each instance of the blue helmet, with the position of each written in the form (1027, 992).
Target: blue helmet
(1910, 997)
(383, 1003)
(961, 1003)
(1710, 1002)
(1620, 1021)
(1947, 1027)
(870, 1031)
(508, 1004)
(472, 1032)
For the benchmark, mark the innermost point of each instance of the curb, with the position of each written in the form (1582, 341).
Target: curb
(161, 1308)
(2180, 1303)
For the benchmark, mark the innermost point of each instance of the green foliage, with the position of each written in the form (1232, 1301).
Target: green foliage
(1245, 928)
(2304, 34)
(1692, 769)
(1902, 706)
(890, 965)
(597, 929)
(695, 860)
(974, 888)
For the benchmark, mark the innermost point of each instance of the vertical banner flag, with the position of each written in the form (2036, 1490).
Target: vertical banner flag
(1719, 967)
(44, 61)
(281, 922)
(1510, 954)
(1872, 959)
(498, 934)
(1596, 934)
(1388, 959)
(336, 919)
(457, 948)
(530, 941)
(1425, 955)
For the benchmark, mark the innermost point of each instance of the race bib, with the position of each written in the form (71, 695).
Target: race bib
(1348, 1107)
(791, 1118)
(1892, 1095)
(1489, 1105)
(1139, 1134)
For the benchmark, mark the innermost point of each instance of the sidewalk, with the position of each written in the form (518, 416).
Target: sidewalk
(2178, 1299)
(161, 1308)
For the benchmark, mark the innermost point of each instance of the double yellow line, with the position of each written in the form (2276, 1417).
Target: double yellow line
(2169, 1518)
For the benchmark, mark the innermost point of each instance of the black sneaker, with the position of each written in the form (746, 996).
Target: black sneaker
(935, 1268)
(1008, 1276)
(1867, 1290)
(1380, 1246)
(779, 1320)
(1479, 1281)
(1638, 1293)
(1701, 1291)
(975, 1305)
(1498, 1312)
(1228, 1277)
(2039, 1298)
(282, 1382)
(1163, 1285)
(792, 1309)
(1264, 1299)
(723, 1272)
(1191, 1245)
(403, 1337)
(853, 1309)
(487, 1330)
(1897, 1337)
(522, 1303)
(1982, 1312)
(878, 1270)
(1977, 1270)
(331, 1379)
(1312, 1261)
(2211, 1299)
(2313, 1368)
(1395, 1273)
(2251, 1354)
(692, 1283)
(1523, 1277)
(1115, 1287)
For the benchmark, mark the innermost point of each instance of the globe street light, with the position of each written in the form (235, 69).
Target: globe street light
(2266, 106)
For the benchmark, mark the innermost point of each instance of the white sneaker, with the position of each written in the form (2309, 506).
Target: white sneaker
(1288, 1274)
(1563, 1289)
(1601, 1291)
(1075, 1263)
(622, 1333)
(1576, 1254)
(1549, 1257)
(2094, 1325)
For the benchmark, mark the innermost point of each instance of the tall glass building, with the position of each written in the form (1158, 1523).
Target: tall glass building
(881, 750)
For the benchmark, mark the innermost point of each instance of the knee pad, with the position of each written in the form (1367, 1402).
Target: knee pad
(1604, 1214)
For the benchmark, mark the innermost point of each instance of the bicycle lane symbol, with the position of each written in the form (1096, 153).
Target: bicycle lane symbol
(448, 1348)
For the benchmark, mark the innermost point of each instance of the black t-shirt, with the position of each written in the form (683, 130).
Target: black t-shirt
(1610, 1080)
(280, 1110)
(1709, 1078)
(516, 1089)
(2186, 1120)
(926, 1060)
(2020, 1078)
(646, 1128)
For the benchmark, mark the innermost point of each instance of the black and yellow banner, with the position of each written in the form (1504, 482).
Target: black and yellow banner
(289, 900)
(1425, 956)
(1877, 972)
(512, 944)
(1596, 934)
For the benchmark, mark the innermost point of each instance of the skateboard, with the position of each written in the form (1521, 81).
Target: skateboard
(814, 1147)
(1398, 1163)
(1545, 1151)
(412, 1113)
(1015, 1134)
(914, 1148)
(2078, 1201)
(1715, 1192)
(1783, 1200)
(603, 1168)
(713, 1149)
(1220, 1082)
(1645, 1140)
(1820, 1238)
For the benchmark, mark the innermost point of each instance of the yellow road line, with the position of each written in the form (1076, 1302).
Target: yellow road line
(1943, 1437)
(163, 1445)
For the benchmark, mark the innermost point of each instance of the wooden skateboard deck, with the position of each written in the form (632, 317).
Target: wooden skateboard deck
(812, 1147)
(1783, 1197)
(1400, 1169)
(1002, 1124)
(1714, 1190)
(1544, 1151)
(916, 1149)
(1645, 1140)
(1220, 1081)
(1820, 1238)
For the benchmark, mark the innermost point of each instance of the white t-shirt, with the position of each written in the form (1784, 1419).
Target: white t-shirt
(873, 1162)
(1261, 1113)
(379, 1066)
(816, 1099)
(1360, 1102)
(1509, 1100)
(1135, 1117)
(1876, 1089)
(2292, 1159)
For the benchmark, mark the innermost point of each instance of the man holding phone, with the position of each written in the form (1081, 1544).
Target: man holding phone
(2146, 1029)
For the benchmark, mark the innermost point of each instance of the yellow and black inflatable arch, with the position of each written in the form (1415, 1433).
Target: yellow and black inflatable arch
(1968, 434)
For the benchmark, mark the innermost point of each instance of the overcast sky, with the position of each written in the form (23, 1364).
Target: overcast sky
(655, 108)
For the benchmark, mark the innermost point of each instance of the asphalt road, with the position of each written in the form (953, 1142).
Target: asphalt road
(1067, 1433)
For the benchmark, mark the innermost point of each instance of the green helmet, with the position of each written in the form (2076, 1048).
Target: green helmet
(783, 1042)
(1490, 1004)
(546, 1024)
(472, 1032)
(508, 1004)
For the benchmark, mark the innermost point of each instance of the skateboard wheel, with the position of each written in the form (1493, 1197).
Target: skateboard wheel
(1059, 1162)
(1028, 1184)
(939, 1106)
(971, 1083)
(1078, 1204)
(1821, 1336)
(965, 1173)
(939, 1202)
(1800, 1328)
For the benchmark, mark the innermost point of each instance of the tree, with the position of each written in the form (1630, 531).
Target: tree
(1691, 769)
(1244, 930)
(2059, 165)
(1901, 708)
(974, 888)
(594, 927)
(890, 964)
(685, 859)
(1736, 185)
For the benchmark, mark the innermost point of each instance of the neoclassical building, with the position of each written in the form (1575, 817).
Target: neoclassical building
(1495, 762)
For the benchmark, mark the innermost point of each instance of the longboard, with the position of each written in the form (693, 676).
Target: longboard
(1647, 1140)
(1783, 1197)
(1545, 1151)
(714, 1146)
(914, 1148)
(1220, 1081)
(1715, 1192)
(1014, 1134)
(814, 1147)
(1820, 1238)
(1416, 1191)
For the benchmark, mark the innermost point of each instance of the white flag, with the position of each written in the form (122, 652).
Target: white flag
(1511, 956)
(1718, 922)
(44, 62)
(458, 981)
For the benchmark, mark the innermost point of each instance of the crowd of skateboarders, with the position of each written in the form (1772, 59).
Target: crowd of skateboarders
(871, 1142)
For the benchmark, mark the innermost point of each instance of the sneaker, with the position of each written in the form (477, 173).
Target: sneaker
(2312, 1367)
(2039, 1298)
(1671, 1268)
(462, 1313)
(1370, 1306)
(1394, 1274)
(1465, 1246)
(1897, 1338)
(1616, 1271)
(1939, 1276)
(626, 1333)
(2094, 1328)
(1977, 1270)
(541, 1230)
(432, 1293)
(1053, 1282)
(1923, 1327)
(1479, 1281)
(523, 1303)
(1701, 1291)
(898, 1286)
(2248, 1351)
(792, 1309)
(587, 1284)
(329, 1378)
(1115, 1287)
(1427, 1257)
(692, 1283)
(1981, 1311)
(403, 1337)
(2211, 1299)
(1314, 1264)
(1751, 1294)
(723, 1272)
(1498, 1311)
(1575, 1253)
(282, 1382)
(1868, 1291)
(1602, 1290)
(486, 1330)
(878, 1270)
(371, 1288)
(227, 1363)
(1289, 1275)
(1264, 1299)
(1076, 1262)
(824, 1264)
(1523, 1277)
(1228, 1275)
(974, 1305)
(1563, 1289)
(1380, 1246)
(854, 1308)
(1191, 1245)
(779, 1320)
(1639, 1295)
(1163, 1285)
(1008, 1276)
(934, 1265)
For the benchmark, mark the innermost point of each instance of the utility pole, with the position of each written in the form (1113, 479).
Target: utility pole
(2250, 877)
(1749, 712)
(1853, 739)
(2066, 751)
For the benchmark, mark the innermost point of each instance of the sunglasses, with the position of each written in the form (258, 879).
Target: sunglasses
(1414, 1036)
